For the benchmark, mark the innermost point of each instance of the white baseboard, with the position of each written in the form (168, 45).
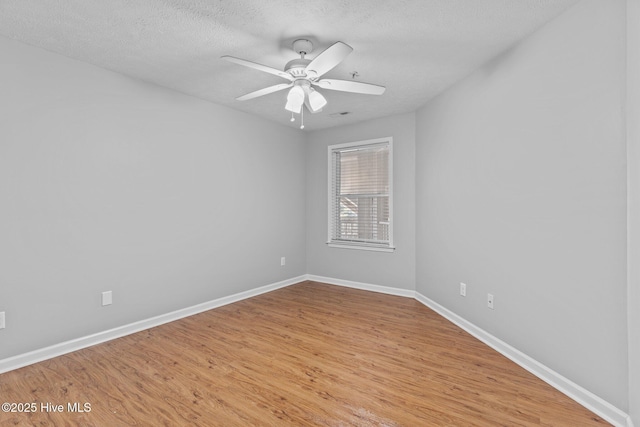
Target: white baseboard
(584, 397)
(574, 391)
(55, 350)
(363, 286)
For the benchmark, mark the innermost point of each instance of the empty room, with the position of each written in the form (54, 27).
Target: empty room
(297, 213)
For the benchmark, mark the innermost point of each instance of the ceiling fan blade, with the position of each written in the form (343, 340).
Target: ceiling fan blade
(265, 91)
(258, 67)
(348, 86)
(328, 58)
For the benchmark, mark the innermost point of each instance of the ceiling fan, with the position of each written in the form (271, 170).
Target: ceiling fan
(304, 74)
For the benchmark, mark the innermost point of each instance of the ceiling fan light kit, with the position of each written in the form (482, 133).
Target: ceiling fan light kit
(303, 74)
(295, 99)
(316, 100)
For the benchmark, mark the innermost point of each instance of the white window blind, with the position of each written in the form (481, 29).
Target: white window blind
(360, 199)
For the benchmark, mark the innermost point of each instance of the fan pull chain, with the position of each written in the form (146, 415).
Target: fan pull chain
(292, 118)
(302, 118)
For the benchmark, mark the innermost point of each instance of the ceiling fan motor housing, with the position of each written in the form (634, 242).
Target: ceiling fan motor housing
(296, 67)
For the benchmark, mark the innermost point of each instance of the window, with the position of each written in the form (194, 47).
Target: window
(360, 195)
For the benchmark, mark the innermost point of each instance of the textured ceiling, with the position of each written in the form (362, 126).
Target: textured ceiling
(416, 48)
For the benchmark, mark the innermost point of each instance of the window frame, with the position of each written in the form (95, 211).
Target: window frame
(348, 244)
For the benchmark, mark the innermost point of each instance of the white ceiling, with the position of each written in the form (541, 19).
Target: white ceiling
(416, 48)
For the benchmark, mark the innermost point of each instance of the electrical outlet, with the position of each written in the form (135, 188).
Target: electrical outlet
(283, 261)
(107, 298)
(2, 323)
(490, 301)
(463, 289)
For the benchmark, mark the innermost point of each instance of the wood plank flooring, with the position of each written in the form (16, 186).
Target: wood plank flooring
(306, 355)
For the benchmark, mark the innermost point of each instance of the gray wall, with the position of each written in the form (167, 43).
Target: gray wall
(633, 165)
(395, 269)
(108, 183)
(521, 192)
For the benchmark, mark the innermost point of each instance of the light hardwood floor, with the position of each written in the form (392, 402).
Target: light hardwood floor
(308, 354)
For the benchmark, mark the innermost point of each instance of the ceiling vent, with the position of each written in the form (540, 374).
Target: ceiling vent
(340, 114)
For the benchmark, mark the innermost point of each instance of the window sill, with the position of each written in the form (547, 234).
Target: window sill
(361, 247)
